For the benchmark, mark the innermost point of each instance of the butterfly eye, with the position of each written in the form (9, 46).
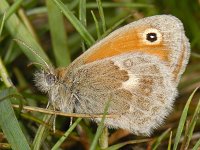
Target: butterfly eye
(50, 79)
(152, 36)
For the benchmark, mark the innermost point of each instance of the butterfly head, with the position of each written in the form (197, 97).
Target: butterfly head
(46, 79)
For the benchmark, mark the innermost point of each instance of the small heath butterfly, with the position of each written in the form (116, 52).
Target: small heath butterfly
(137, 67)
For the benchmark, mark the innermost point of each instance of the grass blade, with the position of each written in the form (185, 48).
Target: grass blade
(160, 138)
(101, 13)
(42, 133)
(9, 124)
(76, 37)
(170, 141)
(75, 22)
(115, 26)
(18, 31)
(100, 128)
(191, 127)
(12, 53)
(82, 12)
(13, 8)
(96, 24)
(197, 145)
(119, 4)
(120, 145)
(103, 139)
(62, 139)
(82, 18)
(8, 120)
(182, 121)
(58, 35)
(2, 23)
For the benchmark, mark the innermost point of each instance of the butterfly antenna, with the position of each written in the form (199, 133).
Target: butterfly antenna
(31, 49)
(36, 63)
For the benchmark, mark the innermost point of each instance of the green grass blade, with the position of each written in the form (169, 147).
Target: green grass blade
(42, 133)
(8, 120)
(196, 55)
(191, 126)
(76, 37)
(82, 12)
(12, 53)
(72, 4)
(20, 78)
(101, 13)
(42, 9)
(103, 139)
(160, 138)
(27, 23)
(58, 35)
(100, 128)
(2, 23)
(62, 139)
(115, 26)
(9, 124)
(96, 24)
(182, 121)
(119, 4)
(170, 141)
(13, 8)
(120, 145)
(4, 75)
(75, 22)
(18, 31)
(92, 5)
(82, 18)
(197, 145)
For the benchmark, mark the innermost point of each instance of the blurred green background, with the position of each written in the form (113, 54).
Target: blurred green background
(41, 25)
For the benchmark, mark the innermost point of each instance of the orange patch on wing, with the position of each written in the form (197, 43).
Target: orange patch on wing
(60, 72)
(130, 41)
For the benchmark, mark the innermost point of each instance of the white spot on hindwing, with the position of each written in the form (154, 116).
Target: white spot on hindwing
(131, 83)
(126, 65)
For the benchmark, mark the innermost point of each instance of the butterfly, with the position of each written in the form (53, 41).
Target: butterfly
(137, 67)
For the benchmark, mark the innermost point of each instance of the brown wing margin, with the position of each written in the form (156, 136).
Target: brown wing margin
(183, 60)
